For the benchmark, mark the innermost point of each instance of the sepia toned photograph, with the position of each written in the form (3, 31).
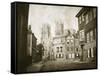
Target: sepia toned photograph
(53, 37)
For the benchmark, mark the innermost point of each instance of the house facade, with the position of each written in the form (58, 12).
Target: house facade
(59, 48)
(87, 23)
(65, 44)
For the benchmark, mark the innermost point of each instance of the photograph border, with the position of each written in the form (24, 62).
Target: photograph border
(13, 35)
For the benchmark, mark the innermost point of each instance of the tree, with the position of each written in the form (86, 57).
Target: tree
(40, 51)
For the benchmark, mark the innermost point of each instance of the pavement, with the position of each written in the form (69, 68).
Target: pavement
(35, 67)
(59, 65)
(56, 66)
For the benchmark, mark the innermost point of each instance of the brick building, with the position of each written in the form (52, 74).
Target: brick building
(59, 47)
(65, 44)
(34, 49)
(87, 23)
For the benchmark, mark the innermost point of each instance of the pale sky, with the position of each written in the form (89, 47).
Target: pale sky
(42, 14)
